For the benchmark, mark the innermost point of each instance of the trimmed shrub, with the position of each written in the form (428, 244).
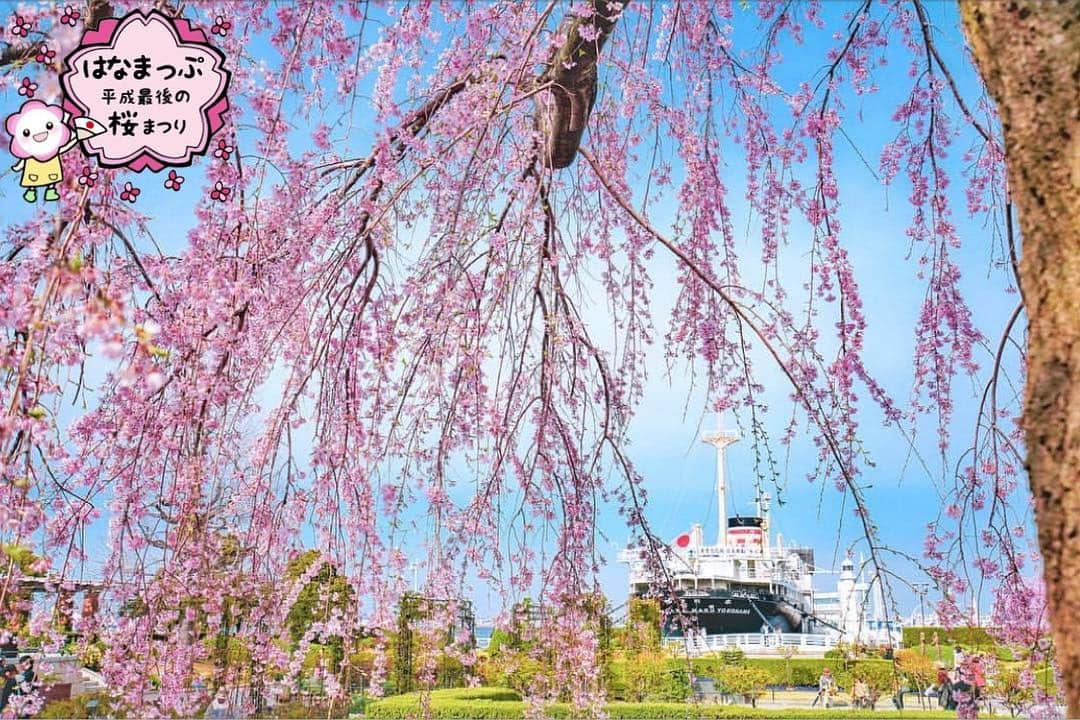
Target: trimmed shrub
(497, 694)
(803, 676)
(732, 657)
(804, 671)
(648, 677)
(76, 707)
(411, 705)
(402, 707)
(1044, 678)
(309, 711)
(747, 682)
(969, 636)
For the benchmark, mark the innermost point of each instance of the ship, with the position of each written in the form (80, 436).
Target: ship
(747, 582)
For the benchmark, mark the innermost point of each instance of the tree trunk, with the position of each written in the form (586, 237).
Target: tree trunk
(572, 75)
(1028, 52)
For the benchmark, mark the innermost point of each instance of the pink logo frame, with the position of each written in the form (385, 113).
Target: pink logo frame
(185, 34)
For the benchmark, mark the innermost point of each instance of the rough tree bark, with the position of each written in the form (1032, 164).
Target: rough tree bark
(1029, 55)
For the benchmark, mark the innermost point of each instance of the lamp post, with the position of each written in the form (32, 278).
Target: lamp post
(415, 567)
(921, 589)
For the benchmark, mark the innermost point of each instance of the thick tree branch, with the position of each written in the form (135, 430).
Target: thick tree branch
(572, 77)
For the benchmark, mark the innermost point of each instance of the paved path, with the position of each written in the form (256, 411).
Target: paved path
(787, 699)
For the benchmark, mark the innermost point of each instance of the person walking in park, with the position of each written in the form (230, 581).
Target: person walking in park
(26, 675)
(825, 688)
(219, 706)
(978, 677)
(23, 685)
(10, 682)
(860, 695)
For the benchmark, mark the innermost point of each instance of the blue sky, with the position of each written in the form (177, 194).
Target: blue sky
(679, 470)
(905, 493)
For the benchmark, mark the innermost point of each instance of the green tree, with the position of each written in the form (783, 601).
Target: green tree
(648, 676)
(409, 650)
(1006, 683)
(746, 682)
(880, 678)
(326, 592)
(787, 652)
(16, 607)
(514, 668)
(918, 670)
(23, 557)
(642, 630)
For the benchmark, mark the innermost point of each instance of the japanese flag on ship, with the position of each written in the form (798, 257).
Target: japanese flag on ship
(688, 540)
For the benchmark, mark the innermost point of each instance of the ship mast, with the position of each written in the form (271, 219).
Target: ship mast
(762, 502)
(720, 439)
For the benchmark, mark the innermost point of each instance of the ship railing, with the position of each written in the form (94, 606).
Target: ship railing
(740, 552)
(697, 644)
(634, 554)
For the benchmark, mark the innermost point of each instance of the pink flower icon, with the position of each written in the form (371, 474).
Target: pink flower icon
(45, 55)
(174, 181)
(221, 26)
(28, 88)
(130, 192)
(220, 192)
(70, 16)
(88, 177)
(223, 150)
(20, 27)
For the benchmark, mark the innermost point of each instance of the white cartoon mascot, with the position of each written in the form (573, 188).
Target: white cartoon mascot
(39, 136)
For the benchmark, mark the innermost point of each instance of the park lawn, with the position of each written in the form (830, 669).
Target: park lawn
(945, 654)
(496, 704)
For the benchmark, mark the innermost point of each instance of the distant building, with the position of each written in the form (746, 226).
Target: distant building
(856, 611)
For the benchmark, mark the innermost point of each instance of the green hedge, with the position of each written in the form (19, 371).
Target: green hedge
(968, 636)
(401, 707)
(76, 707)
(804, 671)
(1044, 679)
(307, 711)
(663, 711)
(408, 706)
(498, 694)
(947, 653)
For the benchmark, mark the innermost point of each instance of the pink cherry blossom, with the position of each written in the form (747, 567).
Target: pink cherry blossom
(20, 26)
(129, 193)
(27, 88)
(70, 16)
(174, 181)
(385, 328)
